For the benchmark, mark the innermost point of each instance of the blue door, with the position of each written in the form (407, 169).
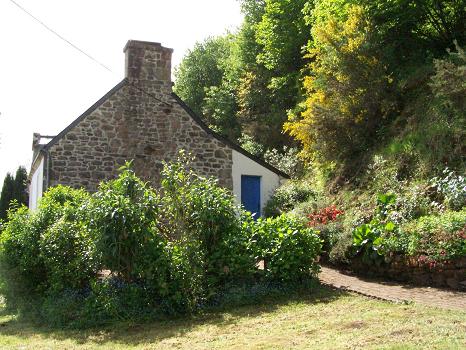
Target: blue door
(251, 194)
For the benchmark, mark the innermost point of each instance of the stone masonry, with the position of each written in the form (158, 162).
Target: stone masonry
(140, 120)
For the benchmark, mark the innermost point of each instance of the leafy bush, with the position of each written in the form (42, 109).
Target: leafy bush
(341, 251)
(68, 252)
(21, 269)
(289, 249)
(369, 238)
(436, 237)
(250, 145)
(412, 197)
(330, 234)
(447, 83)
(286, 197)
(123, 218)
(412, 202)
(205, 217)
(47, 249)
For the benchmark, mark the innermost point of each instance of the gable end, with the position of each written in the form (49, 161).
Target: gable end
(86, 113)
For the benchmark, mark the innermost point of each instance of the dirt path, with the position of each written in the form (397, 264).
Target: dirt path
(393, 291)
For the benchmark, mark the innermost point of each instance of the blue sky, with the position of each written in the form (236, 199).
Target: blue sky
(45, 83)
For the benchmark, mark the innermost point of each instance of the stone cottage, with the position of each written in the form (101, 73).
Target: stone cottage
(141, 119)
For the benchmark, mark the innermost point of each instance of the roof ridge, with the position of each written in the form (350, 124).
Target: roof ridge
(226, 141)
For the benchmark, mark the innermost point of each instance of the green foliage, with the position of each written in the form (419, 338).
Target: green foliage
(248, 81)
(253, 147)
(200, 69)
(447, 83)
(68, 252)
(369, 238)
(430, 130)
(127, 252)
(348, 91)
(6, 195)
(13, 189)
(219, 108)
(20, 271)
(47, 249)
(377, 101)
(20, 193)
(436, 238)
(282, 32)
(370, 82)
(410, 29)
(287, 196)
(288, 249)
(330, 234)
(206, 80)
(206, 219)
(124, 217)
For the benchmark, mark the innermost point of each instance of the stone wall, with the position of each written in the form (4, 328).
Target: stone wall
(140, 121)
(410, 269)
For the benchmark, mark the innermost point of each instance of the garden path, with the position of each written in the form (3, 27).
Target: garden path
(393, 291)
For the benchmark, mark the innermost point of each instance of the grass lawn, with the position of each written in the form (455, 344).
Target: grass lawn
(325, 320)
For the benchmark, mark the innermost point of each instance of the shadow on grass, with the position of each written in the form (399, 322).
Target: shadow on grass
(156, 331)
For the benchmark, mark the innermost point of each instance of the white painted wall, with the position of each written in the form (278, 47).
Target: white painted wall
(35, 188)
(243, 165)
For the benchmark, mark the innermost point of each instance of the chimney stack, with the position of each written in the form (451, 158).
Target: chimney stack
(35, 140)
(147, 62)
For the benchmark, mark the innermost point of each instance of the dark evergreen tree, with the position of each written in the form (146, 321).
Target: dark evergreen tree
(14, 188)
(21, 193)
(7, 195)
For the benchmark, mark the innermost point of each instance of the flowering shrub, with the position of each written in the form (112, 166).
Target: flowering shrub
(452, 187)
(324, 215)
(286, 160)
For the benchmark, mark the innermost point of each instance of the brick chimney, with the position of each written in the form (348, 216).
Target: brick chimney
(147, 63)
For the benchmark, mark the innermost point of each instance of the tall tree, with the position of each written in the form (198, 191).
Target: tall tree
(348, 91)
(272, 39)
(205, 81)
(14, 188)
(21, 190)
(7, 195)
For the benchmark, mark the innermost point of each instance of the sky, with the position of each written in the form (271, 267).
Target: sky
(45, 83)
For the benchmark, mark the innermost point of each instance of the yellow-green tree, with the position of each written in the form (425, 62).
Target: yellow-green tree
(348, 93)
